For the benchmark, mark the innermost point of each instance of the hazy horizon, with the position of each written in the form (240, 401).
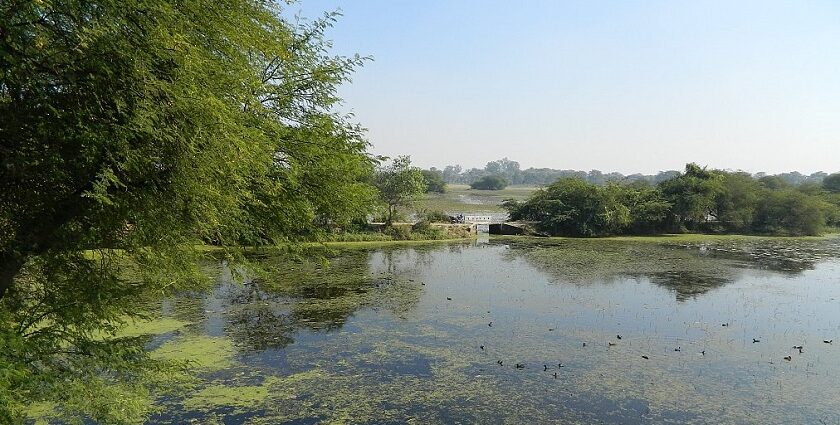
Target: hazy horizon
(619, 86)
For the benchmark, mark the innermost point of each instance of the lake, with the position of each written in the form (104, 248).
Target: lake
(518, 330)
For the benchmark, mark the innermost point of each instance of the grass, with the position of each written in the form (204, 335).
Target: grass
(460, 198)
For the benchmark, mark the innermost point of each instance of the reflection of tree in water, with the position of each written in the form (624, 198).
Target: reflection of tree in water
(687, 269)
(687, 284)
(296, 294)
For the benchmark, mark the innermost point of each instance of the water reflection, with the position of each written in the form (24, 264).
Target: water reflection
(688, 269)
(432, 334)
(291, 295)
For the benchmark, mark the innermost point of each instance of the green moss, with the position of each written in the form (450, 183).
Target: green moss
(202, 352)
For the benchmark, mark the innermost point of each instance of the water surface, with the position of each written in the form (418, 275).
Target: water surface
(434, 334)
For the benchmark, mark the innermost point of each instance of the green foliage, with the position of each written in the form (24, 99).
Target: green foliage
(736, 201)
(697, 200)
(398, 233)
(692, 196)
(436, 216)
(789, 212)
(399, 185)
(434, 181)
(573, 207)
(131, 131)
(831, 183)
(490, 183)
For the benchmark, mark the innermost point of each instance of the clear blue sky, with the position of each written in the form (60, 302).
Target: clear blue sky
(612, 85)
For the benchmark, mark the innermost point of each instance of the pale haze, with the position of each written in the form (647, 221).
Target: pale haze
(616, 86)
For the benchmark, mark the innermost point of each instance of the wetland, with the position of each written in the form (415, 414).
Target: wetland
(682, 329)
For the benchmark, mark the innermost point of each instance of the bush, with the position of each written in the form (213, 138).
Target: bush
(490, 183)
(398, 233)
(436, 216)
(790, 212)
(434, 181)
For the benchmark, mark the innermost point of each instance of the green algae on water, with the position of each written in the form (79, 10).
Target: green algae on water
(206, 353)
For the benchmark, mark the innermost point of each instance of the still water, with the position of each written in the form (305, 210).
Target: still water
(519, 331)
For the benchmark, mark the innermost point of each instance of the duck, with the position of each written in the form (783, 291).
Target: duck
(555, 375)
(499, 362)
(448, 299)
(618, 337)
(584, 344)
(678, 349)
(756, 340)
(545, 367)
(725, 324)
(520, 366)
(828, 341)
(490, 324)
(797, 347)
(560, 365)
(482, 347)
(703, 353)
(645, 357)
(788, 358)
(610, 343)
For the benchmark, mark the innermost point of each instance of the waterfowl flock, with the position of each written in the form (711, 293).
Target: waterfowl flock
(678, 349)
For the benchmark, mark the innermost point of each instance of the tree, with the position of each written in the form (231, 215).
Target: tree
(648, 209)
(831, 183)
(573, 207)
(692, 195)
(490, 183)
(399, 185)
(504, 167)
(434, 181)
(789, 212)
(131, 131)
(736, 202)
(452, 173)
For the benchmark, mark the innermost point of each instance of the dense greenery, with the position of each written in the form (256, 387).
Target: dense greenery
(399, 184)
(130, 132)
(832, 183)
(434, 181)
(490, 183)
(697, 200)
(512, 172)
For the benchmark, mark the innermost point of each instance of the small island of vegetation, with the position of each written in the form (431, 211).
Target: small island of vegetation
(698, 200)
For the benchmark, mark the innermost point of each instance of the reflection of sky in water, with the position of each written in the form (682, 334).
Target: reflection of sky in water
(406, 342)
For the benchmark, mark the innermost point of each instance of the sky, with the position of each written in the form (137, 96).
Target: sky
(627, 86)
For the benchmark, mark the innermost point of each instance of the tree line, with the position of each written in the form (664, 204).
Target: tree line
(511, 171)
(696, 200)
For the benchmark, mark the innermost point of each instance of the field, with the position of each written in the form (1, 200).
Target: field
(459, 198)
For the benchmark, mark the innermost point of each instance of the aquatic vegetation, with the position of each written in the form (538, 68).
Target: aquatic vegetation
(202, 352)
(235, 396)
(400, 334)
(151, 327)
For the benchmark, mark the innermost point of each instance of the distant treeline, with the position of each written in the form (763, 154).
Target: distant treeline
(696, 200)
(511, 171)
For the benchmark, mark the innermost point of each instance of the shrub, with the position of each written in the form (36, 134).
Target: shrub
(490, 183)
